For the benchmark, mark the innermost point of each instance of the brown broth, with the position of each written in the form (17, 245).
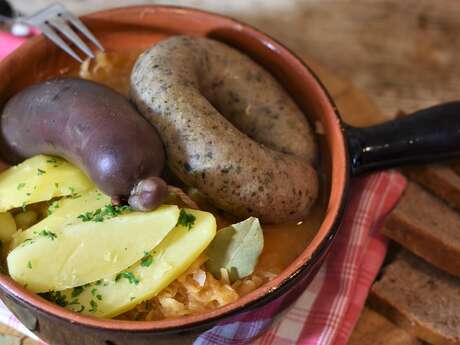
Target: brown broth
(284, 242)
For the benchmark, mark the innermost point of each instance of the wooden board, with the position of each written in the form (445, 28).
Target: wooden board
(374, 329)
(355, 107)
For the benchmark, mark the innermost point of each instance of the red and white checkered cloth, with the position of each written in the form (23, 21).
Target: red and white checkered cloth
(328, 309)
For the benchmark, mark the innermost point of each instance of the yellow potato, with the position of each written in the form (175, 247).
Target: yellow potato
(154, 272)
(65, 211)
(83, 252)
(40, 178)
(7, 227)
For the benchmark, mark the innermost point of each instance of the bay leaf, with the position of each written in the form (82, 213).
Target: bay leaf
(236, 248)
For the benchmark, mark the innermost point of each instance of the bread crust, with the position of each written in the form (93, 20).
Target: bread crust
(421, 233)
(440, 179)
(419, 298)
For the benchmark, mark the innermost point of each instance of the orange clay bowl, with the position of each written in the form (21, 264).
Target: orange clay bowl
(344, 150)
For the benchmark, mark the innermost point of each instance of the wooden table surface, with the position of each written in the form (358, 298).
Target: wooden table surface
(402, 54)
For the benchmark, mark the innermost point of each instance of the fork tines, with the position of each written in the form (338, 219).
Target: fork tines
(56, 20)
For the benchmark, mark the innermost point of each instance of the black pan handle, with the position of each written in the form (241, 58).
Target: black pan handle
(424, 136)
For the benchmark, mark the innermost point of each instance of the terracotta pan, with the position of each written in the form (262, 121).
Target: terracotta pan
(429, 134)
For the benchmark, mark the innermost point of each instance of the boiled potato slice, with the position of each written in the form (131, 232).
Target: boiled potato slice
(40, 178)
(83, 252)
(7, 227)
(154, 272)
(64, 211)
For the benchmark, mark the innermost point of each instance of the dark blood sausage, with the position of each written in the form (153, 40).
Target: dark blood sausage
(93, 127)
(229, 128)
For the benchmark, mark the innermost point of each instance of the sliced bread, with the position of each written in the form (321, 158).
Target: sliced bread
(426, 226)
(374, 329)
(420, 298)
(441, 180)
(456, 166)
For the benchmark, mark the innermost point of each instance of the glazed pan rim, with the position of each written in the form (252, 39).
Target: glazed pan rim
(266, 292)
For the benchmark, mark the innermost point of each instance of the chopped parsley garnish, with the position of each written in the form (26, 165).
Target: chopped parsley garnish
(147, 260)
(103, 213)
(29, 264)
(27, 241)
(74, 301)
(46, 233)
(93, 291)
(128, 275)
(81, 309)
(99, 297)
(57, 297)
(20, 185)
(28, 194)
(40, 172)
(115, 210)
(93, 306)
(86, 217)
(56, 184)
(53, 161)
(77, 291)
(101, 282)
(54, 205)
(24, 207)
(132, 298)
(186, 219)
(73, 194)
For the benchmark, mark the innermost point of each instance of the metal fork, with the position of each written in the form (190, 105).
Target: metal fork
(56, 19)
